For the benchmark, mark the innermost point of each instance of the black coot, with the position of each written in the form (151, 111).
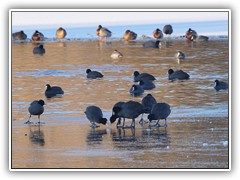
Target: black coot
(36, 108)
(93, 74)
(95, 115)
(220, 85)
(52, 91)
(179, 74)
(136, 90)
(130, 110)
(39, 50)
(159, 111)
(143, 76)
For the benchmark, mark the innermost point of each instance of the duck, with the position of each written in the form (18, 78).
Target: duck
(152, 44)
(179, 74)
(36, 108)
(157, 34)
(147, 84)
(103, 32)
(129, 110)
(159, 111)
(167, 29)
(19, 36)
(61, 33)
(129, 35)
(191, 34)
(39, 50)
(116, 54)
(93, 74)
(52, 91)
(37, 36)
(142, 76)
(220, 85)
(136, 90)
(94, 115)
(180, 55)
(202, 38)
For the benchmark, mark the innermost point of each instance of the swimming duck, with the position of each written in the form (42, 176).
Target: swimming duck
(95, 115)
(179, 74)
(191, 34)
(36, 108)
(220, 85)
(180, 55)
(167, 29)
(93, 74)
(129, 35)
(103, 32)
(52, 91)
(202, 38)
(152, 44)
(157, 34)
(116, 54)
(37, 36)
(142, 76)
(136, 90)
(159, 111)
(19, 35)
(39, 50)
(147, 84)
(61, 33)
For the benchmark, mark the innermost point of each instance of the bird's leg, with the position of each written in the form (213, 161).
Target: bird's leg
(39, 122)
(123, 122)
(93, 125)
(165, 125)
(157, 124)
(28, 121)
(119, 123)
(133, 123)
(141, 120)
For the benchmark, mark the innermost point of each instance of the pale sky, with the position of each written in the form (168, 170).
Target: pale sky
(110, 18)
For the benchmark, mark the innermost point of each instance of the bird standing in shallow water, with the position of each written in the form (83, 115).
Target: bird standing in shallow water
(95, 115)
(157, 34)
(148, 102)
(159, 111)
(103, 32)
(36, 108)
(167, 29)
(37, 36)
(191, 34)
(61, 33)
(130, 110)
(129, 35)
(19, 35)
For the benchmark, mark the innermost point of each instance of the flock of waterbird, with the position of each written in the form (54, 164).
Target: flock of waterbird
(121, 110)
